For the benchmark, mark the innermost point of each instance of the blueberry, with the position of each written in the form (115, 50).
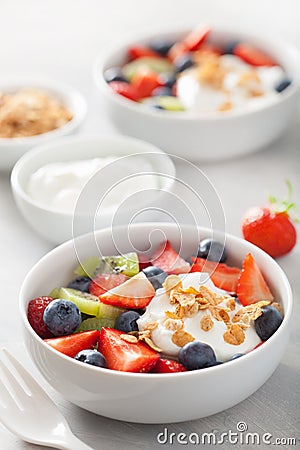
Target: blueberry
(197, 355)
(62, 317)
(127, 321)
(162, 91)
(267, 323)
(183, 62)
(80, 283)
(212, 250)
(283, 85)
(236, 356)
(155, 106)
(189, 260)
(167, 80)
(92, 357)
(140, 311)
(114, 74)
(229, 48)
(156, 276)
(161, 46)
(216, 363)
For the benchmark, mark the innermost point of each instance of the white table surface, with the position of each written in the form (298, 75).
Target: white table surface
(60, 39)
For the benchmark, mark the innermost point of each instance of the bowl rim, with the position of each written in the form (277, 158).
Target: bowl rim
(190, 116)
(44, 148)
(23, 302)
(55, 87)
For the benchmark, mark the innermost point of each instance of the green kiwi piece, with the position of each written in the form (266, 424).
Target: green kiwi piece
(169, 103)
(88, 267)
(108, 311)
(87, 303)
(128, 264)
(159, 65)
(95, 323)
(90, 304)
(54, 293)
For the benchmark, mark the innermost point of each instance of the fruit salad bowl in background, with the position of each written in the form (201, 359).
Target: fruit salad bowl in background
(12, 148)
(152, 397)
(202, 136)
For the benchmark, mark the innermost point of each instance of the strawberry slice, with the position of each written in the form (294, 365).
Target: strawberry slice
(135, 293)
(105, 282)
(195, 38)
(258, 345)
(223, 276)
(143, 261)
(125, 356)
(206, 47)
(252, 286)
(139, 51)
(167, 259)
(124, 89)
(144, 82)
(74, 343)
(178, 49)
(253, 55)
(168, 366)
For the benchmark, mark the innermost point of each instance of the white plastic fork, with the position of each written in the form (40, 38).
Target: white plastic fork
(28, 412)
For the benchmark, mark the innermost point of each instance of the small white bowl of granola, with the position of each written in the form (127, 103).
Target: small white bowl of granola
(33, 111)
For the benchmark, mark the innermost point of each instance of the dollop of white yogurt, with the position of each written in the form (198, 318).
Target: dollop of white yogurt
(58, 185)
(162, 337)
(198, 96)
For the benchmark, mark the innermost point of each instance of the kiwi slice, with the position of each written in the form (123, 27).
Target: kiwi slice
(159, 65)
(95, 323)
(128, 264)
(108, 311)
(169, 103)
(90, 304)
(87, 303)
(54, 293)
(88, 267)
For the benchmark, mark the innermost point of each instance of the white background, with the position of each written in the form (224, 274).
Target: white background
(60, 39)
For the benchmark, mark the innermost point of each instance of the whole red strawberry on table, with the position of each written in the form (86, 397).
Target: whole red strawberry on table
(271, 227)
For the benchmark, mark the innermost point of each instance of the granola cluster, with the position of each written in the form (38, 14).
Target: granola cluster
(29, 112)
(188, 302)
(133, 337)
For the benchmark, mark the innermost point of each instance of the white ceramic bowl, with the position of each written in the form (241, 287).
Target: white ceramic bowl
(204, 137)
(152, 398)
(57, 226)
(11, 149)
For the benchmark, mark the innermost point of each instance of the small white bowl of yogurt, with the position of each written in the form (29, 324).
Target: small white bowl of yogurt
(242, 116)
(77, 185)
